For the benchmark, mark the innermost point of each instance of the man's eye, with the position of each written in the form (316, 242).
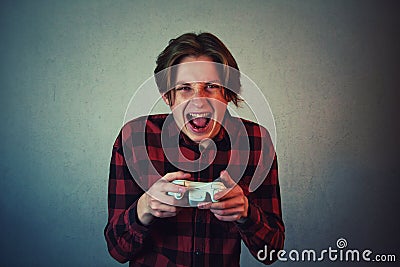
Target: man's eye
(183, 88)
(213, 86)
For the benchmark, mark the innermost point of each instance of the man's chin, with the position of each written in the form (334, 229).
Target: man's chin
(198, 138)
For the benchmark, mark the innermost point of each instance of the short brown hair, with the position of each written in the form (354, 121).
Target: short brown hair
(203, 44)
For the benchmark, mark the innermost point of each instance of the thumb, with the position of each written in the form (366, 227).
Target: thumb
(176, 176)
(227, 179)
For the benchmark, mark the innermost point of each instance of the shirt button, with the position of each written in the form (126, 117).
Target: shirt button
(197, 253)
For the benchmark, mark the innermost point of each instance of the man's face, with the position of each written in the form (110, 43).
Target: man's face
(198, 105)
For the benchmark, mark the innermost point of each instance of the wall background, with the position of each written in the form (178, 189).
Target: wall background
(68, 69)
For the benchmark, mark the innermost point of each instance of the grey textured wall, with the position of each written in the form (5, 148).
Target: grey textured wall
(68, 68)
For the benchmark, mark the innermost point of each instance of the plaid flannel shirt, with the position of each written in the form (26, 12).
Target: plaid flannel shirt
(194, 237)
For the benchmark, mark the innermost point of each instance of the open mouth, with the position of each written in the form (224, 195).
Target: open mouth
(199, 121)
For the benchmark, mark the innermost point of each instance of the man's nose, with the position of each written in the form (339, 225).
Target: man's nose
(199, 97)
(200, 92)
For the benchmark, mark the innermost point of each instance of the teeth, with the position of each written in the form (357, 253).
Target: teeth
(200, 115)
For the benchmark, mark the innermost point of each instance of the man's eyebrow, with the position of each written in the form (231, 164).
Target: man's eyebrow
(188, 83)
(182, 83)
(214, 81)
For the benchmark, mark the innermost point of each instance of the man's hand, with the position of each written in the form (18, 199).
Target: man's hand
(232, 204)
(153, 203)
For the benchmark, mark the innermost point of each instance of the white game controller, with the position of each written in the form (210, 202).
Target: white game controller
(198, 191)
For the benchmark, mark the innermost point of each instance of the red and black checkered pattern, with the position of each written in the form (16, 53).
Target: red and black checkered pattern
(194, 237)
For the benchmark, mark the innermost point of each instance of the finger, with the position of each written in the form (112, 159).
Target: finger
(227, 212)
(227, 204)
(169, 214)
(228, 193)
(170, 200)
(176, 176)
(164, 214)
(173, 188)
(166, 211)
(204, 205)
(223, 194)
(162, 207)
(161, 196)
(229, 218)
(227, 179)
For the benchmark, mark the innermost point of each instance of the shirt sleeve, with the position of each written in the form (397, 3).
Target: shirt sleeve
(264, 225)
(124, 233)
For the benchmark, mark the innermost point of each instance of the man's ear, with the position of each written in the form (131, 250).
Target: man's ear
(165, 98)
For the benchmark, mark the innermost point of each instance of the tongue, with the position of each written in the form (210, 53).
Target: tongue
(200, 122)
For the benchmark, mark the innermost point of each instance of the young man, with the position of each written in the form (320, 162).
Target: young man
(199, 141)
